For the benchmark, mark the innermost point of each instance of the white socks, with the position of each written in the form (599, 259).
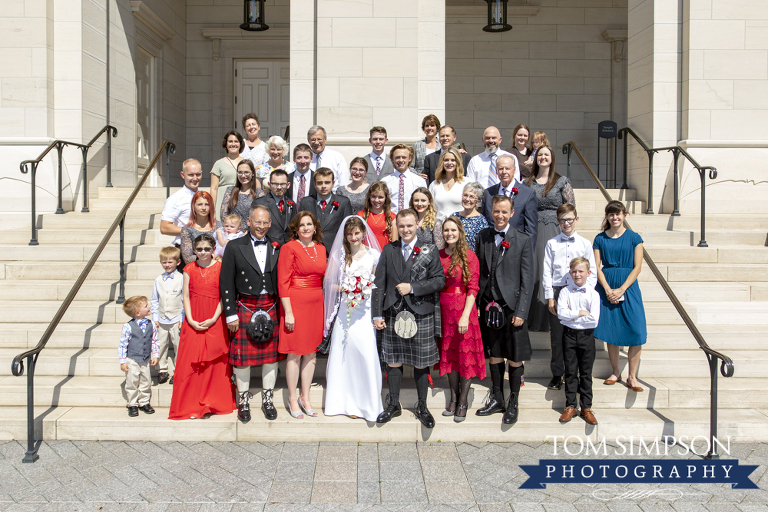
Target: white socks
(243, 376)
(269, 375)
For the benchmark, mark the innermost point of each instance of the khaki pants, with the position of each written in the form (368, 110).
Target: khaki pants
(138, 383)
(167, 334)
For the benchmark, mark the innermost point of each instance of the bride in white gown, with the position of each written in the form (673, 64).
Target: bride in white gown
(353, 374)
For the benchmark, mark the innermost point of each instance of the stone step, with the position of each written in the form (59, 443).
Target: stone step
(591, 207)
(660, 393)
(147, 205)
(593, 194)
(728, 313)
(145, 192)
(64, 237)
(135, 219)
(689, 362)
(534, 425)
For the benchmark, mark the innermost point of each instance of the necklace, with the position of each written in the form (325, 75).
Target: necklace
(314, 250)
(203, 274)
(232, 162)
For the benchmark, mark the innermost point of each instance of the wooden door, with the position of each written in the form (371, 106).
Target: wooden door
(263, 87)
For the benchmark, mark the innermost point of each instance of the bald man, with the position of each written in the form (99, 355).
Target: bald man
(482, 167)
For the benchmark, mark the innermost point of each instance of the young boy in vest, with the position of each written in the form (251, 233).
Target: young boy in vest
(168, 307)
(138, 343)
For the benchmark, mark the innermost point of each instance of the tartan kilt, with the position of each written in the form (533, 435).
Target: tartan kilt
(420, 351)
(243, 351)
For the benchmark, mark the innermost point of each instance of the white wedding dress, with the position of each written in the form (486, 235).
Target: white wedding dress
(353, 373)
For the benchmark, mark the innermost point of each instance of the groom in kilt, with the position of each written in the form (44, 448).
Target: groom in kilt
(248, 284)
(409, 276)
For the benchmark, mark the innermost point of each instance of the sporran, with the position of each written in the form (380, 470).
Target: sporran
(260, 326)
(494, 315)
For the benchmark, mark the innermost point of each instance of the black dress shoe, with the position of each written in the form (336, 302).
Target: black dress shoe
(556, 383)
(510, 416)
(425, 417)
(171, 381)
(146, 409)
(492, 406)
(267, 406)
(133, 411)
(243, 407)
(390, 412)
(162, 377)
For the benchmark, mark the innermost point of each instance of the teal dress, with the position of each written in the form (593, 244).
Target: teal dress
(621, 324)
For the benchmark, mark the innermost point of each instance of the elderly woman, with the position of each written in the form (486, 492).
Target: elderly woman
(255, 149)
(472, 221)
(224, 171)
(277, 148)
(430, 125)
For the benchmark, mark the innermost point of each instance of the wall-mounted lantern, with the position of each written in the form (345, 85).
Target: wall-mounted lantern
(497, 16)
(253, 16)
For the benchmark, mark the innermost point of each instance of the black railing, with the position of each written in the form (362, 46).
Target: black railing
(726, 363)
(17, 366)
(169, 150)
(60, 145)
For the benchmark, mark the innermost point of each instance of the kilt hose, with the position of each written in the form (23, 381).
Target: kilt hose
(420, 351)
(243, 351)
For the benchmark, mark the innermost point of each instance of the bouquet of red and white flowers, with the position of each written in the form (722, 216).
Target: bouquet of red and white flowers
(356, 287)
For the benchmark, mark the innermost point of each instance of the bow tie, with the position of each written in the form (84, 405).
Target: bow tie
(567, 238)
(257, 243)
(502, 234)
(167, 276)
(582, 290)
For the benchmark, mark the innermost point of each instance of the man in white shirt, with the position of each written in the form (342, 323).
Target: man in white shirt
(402, 182)
(300, 182)
(324, 157)
(379, 163)
(178, 206)
(482, 167)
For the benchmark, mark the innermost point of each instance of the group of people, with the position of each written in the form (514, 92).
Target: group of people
(421, 256)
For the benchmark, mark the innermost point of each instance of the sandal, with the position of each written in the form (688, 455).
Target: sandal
(461, 414)
(308, 412)
(451, 410)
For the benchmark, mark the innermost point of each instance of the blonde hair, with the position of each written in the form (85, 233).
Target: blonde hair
(233, 217)
(430, 216)
(440, 173)
(578, 261)
(189, 161)
(540, 137)
(170, 253)
(132, 305)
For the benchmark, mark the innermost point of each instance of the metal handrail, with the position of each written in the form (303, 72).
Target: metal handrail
(726, 365)
(60, 145)
(17, 366)
(676, 152)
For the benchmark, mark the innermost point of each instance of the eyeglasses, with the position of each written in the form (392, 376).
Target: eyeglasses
(316, 140)
(566, 221)
(203, 249)
(260, 224)
(247, 173)
(273, 184)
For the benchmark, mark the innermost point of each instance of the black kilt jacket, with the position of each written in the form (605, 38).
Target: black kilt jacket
(240, 272)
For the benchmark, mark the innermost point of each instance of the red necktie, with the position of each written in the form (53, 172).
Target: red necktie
(280, 206)
(323, 203)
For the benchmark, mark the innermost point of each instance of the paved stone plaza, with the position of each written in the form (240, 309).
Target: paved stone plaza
(139, 476)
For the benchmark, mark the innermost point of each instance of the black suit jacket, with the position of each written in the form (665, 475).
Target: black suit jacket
(240, 272)
(514, 272)
(279, 229)
(330, 218)
(432, 160)
(526, 216)
(386, 169)
(423, 271)
(310, 190)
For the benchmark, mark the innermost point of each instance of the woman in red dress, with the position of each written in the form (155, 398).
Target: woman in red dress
(378, 214)
(461, 355)
(202, 381)
(300, 272)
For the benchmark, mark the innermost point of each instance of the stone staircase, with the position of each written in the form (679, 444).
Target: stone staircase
(78, 382)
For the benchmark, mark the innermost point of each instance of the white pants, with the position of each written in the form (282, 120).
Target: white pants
(138, 383)
(167, 334)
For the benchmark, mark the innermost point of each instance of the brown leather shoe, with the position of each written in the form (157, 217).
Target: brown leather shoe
(568, 413)
(588, 416)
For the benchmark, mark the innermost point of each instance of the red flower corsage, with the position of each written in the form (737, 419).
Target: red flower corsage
(275, 246)
(291, 204)
(505, 246)
(335, 204)
(514, 191)
(416, 250)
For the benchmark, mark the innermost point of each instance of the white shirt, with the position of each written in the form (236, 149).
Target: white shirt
(260, 251)
(335, 162)
(448, 201)
(171, 286)
(479, 165)
(375, 160)
(412, 182)
(574, 299)
(407, 249)
(498, 238)
(297, 181)
(177, 208)
(507, 191)
(558, 253)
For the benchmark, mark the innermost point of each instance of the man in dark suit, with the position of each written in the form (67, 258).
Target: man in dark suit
(447, 140)
(525, 216)
(379, 164)
(504, 299)
(326, 206)
(300, 183)
(408, 277)
(248, 283)
(281, 207)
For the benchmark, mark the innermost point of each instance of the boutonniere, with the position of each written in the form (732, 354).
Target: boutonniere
(416, 251)
(515, 190)
(291, 204)
(335, 204)
(275, 245)
(504, 246)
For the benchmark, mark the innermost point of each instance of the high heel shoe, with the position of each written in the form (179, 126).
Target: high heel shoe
(461, 414)
(296, 414)
(451, 410)
(308, 412)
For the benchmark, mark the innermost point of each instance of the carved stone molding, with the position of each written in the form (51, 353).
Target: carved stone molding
(618, 40)
(153, 22)
(216, 35)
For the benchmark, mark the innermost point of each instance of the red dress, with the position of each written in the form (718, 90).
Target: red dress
(378, 224)
(461, 353)
(300, 273)
(201, 382)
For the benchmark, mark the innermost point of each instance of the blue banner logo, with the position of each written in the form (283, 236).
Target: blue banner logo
(648, 471)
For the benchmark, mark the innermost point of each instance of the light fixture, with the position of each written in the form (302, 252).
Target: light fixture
(253, 16)
(497, 16)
